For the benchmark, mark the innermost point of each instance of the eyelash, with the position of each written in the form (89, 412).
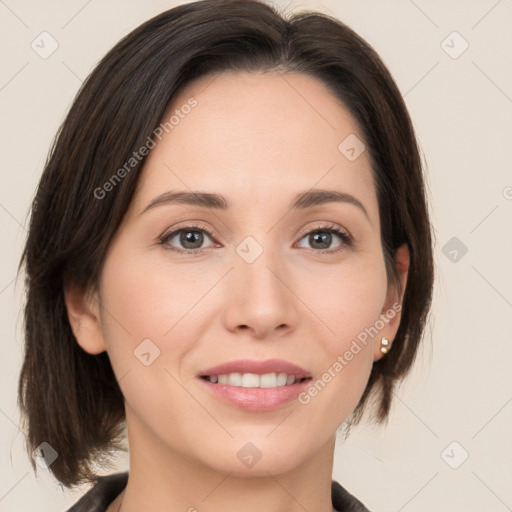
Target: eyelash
(329, 228)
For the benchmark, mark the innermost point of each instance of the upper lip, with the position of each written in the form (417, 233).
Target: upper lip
(257, 367)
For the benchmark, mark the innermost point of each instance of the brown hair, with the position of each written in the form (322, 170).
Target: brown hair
(71, 399)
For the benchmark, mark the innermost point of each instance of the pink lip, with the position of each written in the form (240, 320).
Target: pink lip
(256, 399)
(257, 367)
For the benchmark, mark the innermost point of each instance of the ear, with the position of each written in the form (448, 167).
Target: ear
(391, 312)
(83, 309)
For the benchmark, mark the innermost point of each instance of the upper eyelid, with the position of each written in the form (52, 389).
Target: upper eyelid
(190, 227)
(327, 225)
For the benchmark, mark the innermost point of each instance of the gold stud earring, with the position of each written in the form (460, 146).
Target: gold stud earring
(384, 345)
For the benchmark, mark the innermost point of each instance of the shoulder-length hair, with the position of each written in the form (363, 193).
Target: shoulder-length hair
(71, 399)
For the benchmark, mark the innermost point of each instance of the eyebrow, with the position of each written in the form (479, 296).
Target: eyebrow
(301, 201)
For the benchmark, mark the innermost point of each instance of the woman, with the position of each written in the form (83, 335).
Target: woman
(230, 255)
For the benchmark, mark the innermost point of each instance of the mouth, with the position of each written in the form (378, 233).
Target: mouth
(253, 380)
(256, 385)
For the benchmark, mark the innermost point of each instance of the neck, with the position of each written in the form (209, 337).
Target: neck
(162, 479)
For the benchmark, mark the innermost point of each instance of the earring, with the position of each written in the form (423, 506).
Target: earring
(384, 345)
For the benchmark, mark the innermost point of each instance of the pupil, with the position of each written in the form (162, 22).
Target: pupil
(323, 238)
(191, 237)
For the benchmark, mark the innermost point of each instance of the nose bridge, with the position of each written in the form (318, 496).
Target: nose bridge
(258, 297)
(255, 266)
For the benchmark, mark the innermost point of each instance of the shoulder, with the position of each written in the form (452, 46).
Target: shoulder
(343, 501)
(102, 494)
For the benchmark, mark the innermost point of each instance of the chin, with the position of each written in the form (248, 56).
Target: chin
(255, 458)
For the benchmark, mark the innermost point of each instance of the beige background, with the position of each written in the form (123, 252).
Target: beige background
(461, 388)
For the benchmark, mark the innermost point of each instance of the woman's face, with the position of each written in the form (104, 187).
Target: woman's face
(249, 280)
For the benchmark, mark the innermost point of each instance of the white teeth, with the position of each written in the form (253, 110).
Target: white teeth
(253, 380)
(281, 379)
(235, 379)
(268, 380)
(250, 380)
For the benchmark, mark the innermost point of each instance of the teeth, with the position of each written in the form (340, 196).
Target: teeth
(235, 379)
(250, 380)
(268, 380)
(281, 379)
(253, 380)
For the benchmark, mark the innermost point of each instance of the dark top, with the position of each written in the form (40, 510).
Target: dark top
(107, 488)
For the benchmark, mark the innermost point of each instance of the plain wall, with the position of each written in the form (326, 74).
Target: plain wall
(461, 387)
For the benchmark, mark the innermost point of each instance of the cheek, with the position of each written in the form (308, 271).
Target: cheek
(150, 325)
(349, 304)
(348, 299)
(148, 301)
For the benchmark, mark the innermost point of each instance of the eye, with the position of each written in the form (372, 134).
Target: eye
(189, 239)
(321, 239)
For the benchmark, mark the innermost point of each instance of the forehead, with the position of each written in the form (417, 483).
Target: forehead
(262, 137)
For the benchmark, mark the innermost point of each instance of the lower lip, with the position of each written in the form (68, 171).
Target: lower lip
(256, 399)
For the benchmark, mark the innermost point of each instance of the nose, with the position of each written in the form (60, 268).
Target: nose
(260, 298)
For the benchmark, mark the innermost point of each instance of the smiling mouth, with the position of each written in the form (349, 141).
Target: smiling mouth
(254, 380)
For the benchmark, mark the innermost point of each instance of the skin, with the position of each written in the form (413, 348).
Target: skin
(258, 139)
